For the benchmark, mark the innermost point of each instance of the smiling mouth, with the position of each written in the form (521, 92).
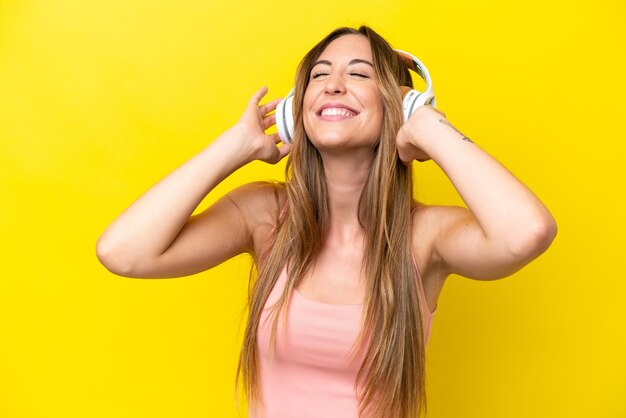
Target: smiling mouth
(335, 113)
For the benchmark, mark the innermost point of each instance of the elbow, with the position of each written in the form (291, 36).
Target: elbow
(539, 236)
(111, 260)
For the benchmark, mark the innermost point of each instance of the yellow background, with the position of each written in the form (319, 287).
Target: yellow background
(100, 100)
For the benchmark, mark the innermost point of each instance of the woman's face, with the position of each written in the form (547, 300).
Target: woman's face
(342, 104)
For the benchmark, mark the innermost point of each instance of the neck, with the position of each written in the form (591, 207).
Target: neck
(345, 178)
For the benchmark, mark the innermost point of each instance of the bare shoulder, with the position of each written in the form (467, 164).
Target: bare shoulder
(259, 203)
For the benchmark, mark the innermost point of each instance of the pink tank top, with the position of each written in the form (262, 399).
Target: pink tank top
(310, 375)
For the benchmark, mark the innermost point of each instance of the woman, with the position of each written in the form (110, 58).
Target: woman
(354, 264)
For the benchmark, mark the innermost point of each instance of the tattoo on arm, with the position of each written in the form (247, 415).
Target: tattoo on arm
(445, 122)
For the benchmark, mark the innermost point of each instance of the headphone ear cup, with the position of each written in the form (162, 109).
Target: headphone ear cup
(284, 118)
(412, 99)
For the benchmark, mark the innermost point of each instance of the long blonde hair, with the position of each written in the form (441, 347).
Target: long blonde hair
(393, 369)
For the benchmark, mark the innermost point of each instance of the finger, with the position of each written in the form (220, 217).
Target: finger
(284, 150)
(258, 96)
(268, 107)
(269, 121)
(275, 137)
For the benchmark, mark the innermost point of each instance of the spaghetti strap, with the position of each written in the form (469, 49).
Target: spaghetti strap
(281, 216)
(282, 209)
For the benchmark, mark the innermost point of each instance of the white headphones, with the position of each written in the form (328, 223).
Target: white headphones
(412, 99)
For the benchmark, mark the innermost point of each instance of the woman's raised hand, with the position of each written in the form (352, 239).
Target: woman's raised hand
(416, 132)
(253, 124)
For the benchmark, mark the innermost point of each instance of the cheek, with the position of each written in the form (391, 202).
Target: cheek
(375, 102)
(310, 94)
(306, 104)
(305, 108)
(377, 114)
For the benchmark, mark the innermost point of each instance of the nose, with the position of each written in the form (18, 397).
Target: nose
(334, 83)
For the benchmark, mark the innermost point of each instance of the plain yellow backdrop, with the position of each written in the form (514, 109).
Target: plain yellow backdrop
(101, 100)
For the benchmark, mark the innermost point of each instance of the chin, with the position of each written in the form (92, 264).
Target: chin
(327, 138)
(331, 143)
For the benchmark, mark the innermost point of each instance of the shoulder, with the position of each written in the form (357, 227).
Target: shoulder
(260, 201)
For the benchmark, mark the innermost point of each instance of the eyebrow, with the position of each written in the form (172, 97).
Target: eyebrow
(354, 61)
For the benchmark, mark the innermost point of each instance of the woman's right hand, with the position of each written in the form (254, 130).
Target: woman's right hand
(252, 126)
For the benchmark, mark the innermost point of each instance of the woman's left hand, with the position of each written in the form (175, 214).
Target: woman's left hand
(421, 127)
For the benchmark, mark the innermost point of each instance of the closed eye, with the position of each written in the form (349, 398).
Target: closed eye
(316, 75)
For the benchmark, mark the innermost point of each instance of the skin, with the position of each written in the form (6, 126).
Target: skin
(504, 227)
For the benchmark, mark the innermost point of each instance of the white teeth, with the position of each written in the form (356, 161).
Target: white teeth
(337, 111)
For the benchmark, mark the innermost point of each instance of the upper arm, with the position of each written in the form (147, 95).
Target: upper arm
(220, 232)
(463, 248)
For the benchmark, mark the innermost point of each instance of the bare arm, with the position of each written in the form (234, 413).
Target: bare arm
(138, 242)
(506, 225)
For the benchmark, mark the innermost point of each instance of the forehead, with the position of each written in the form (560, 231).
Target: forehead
(346, 48)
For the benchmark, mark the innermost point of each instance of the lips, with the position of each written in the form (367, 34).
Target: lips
(338, 109)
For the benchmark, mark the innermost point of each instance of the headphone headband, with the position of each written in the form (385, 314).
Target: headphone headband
(414, 64)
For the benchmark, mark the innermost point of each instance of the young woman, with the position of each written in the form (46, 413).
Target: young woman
(341, 248)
